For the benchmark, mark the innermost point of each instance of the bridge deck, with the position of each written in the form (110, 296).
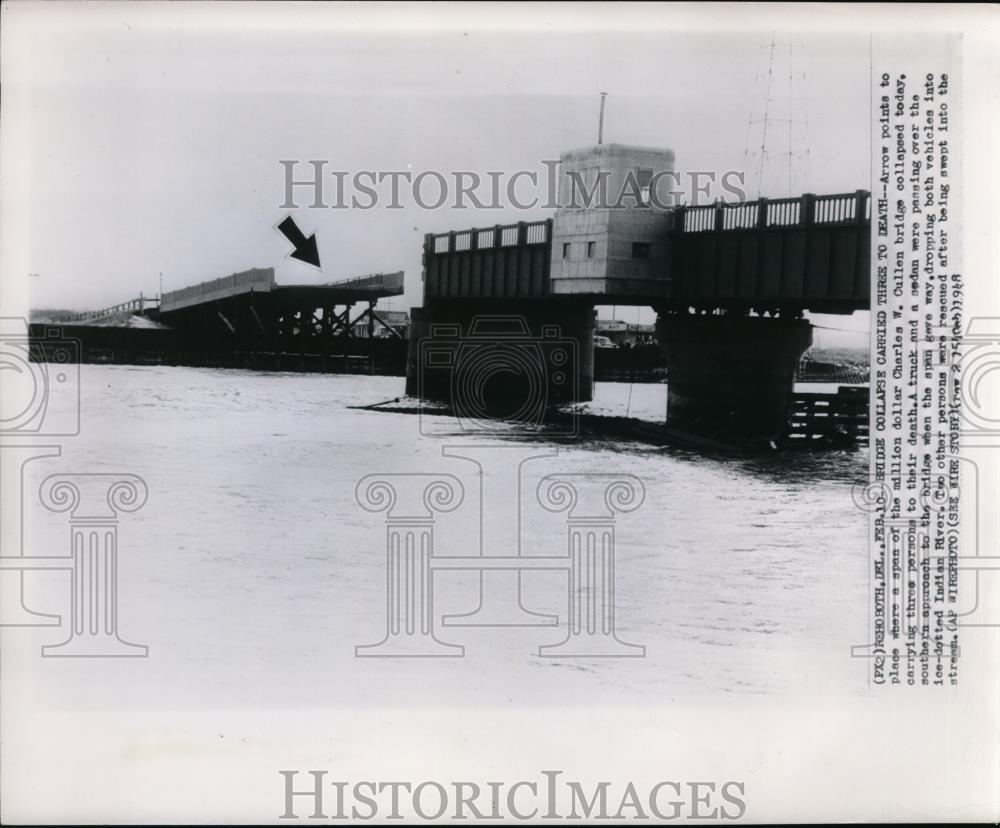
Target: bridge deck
(261, 283)
(811, 252)
(805, 253)
(255, 312)
(349, 292)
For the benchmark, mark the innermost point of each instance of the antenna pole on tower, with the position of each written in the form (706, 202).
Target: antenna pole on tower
(600, 123)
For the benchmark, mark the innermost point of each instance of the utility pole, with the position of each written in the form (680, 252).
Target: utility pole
(600, 123)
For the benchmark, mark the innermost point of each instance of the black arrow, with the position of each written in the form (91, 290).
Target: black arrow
(305, 249)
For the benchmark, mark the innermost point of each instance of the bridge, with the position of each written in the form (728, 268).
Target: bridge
(804, 253)
(730, 283)
(247, 320)
(507, 325)
(255, 312)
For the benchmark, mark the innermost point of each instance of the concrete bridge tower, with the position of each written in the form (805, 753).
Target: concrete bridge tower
(610, 236)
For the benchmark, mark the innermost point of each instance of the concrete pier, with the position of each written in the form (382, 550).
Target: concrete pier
(502, 358)
(731, 375)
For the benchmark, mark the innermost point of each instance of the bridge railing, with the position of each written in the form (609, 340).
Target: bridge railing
(805, 211)
(253, 280)
(376, 282)
(503, 261)
(810, 252)
(500, 235)
(138, 304)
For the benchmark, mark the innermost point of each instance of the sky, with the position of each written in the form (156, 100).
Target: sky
(147, 139)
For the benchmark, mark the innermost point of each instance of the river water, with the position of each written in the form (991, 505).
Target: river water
(252, 572)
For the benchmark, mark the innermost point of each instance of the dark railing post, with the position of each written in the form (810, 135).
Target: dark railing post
(521, 279)
(860, 265)
(428, 249)
(762, 213)
(497, 270)
(371, 335)
(679, 213)
(450, 289)
(860, 198)
(430, 285)
(719, 215)
(547, 258)
(807, 210)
